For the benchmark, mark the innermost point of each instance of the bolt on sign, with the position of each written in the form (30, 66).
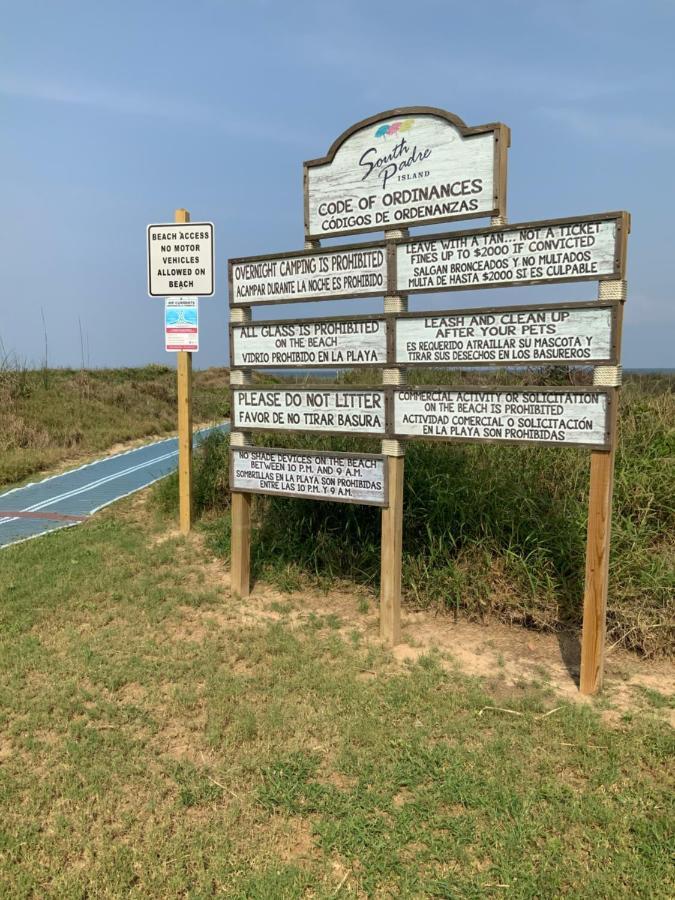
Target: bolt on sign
(320, 343)
(413, 166)
(358, 271)
(578, 249)
(560, 333)
(348, 411)
(181, 259)
(348, 478)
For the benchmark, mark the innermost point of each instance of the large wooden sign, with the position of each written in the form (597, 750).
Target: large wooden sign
(320, 343)
(408, 166)
(403, 168)
(355, 271)
(539, 415)
(566, 333)
(577, 249)
(343, 410)
(342, 477)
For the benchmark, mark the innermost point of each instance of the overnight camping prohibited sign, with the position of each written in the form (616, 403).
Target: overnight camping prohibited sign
(181, 260)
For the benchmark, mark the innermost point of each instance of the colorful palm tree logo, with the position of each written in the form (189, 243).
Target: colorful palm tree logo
(394, 128)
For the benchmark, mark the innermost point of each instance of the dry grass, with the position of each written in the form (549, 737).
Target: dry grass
(50, 416)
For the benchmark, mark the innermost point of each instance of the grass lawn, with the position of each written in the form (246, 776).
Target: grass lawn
(158, 739)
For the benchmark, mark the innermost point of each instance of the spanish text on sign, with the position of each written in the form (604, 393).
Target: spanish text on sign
(536, 252)
(326, 476)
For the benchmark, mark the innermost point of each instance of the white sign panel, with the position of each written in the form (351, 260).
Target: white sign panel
(537, 415)
(334, 343)
(180, 259)
(181, 324)
(412, 168)
(537, 252)
(287, 278)
(309, 409)
(323, 476)
(525, 335)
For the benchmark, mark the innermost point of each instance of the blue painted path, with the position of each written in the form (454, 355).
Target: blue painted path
(61, 501)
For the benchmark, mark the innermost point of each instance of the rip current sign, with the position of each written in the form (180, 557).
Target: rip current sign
(180, 259)
(404, 167)
(181, 324)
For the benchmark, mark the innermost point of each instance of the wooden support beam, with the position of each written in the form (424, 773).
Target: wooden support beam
(391, 554)
(240, 555)
(184, 374)
(599, 528)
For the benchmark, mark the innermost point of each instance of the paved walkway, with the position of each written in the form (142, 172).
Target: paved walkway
(68, 499)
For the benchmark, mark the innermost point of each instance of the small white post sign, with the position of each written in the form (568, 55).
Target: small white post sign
(181, 259)
(410, 166)
(342, 477)
(181, 324)
(358, 411)
(523, 335)
(535, 415)
(590, 247)
(324, 342)
(308, 274)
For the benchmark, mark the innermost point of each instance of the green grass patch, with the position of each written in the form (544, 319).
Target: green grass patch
(155, 743)
(491, 531)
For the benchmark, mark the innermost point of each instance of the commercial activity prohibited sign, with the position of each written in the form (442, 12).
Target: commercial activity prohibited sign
(538, 415)
(181, 259)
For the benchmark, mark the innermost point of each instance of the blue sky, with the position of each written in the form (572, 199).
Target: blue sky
(116, 113)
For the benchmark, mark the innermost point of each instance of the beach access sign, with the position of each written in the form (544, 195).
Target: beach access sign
(411, 167)
(181, 324)
(181, 259)
(347, 478)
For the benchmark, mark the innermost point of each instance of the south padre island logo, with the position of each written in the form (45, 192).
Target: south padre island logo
(401, 162)
(394, 128)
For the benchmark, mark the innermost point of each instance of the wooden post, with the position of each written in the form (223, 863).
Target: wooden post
(240, 542)
(184, 372)
(240, 537)
(391, 551)
(391, 554)
(600, 520)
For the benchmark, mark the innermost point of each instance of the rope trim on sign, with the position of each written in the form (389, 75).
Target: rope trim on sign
(607, 376)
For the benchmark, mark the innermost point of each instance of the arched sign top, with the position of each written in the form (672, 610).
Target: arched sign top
(414, 165)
